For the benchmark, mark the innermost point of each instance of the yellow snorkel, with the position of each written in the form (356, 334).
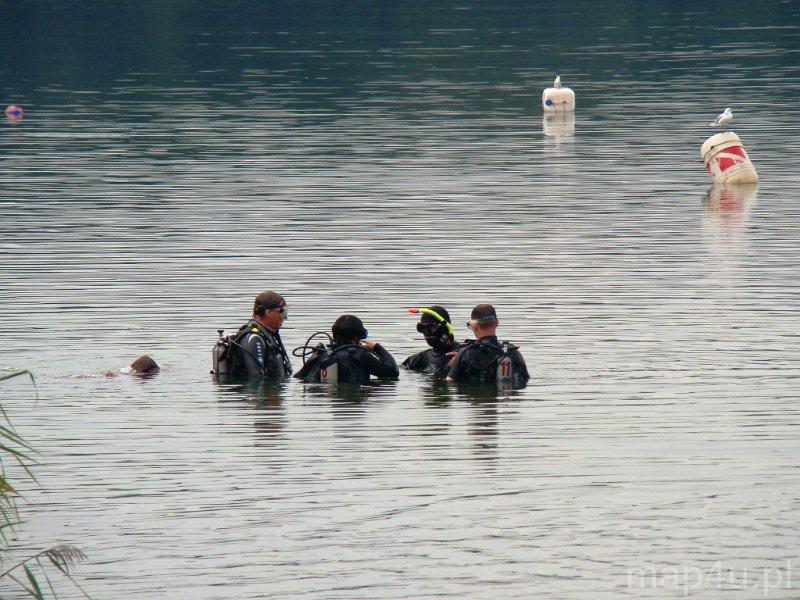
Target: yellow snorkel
(435, 315)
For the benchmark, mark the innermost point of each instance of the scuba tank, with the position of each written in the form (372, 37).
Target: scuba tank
(331, 363)
(329, 375)
(219, 355)
(318, 359)
(226, 355)
(505, 366)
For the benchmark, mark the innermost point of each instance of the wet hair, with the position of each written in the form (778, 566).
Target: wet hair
(346, 328)
(266, 300)
(484, 314)
(144, 365)
(438, 310)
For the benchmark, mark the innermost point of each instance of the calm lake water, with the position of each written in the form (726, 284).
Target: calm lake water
(175, 161)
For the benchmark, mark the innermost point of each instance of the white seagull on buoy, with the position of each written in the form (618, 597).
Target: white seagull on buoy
(557, 82)
(722, 120)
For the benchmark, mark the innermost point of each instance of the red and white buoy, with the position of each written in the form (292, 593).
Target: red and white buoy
(726, 160)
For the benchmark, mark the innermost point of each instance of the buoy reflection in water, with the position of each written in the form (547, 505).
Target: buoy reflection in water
(559, 125)
(725, 214)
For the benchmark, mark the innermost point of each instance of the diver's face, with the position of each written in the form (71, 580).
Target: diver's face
(274, 317)
(431, 333)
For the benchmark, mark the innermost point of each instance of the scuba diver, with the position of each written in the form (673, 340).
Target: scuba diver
(436, 326)
(350, 357)
(486, 359)
(256, 350)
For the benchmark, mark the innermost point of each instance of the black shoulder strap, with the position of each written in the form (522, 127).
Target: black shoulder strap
(287, 364)
(236, 341)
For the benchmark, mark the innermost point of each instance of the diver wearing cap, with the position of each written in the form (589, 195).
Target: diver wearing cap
(350, 358)
(256, 350)
(487, 359)
(436, 326)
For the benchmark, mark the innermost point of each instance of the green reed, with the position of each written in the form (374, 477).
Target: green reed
(28, 573)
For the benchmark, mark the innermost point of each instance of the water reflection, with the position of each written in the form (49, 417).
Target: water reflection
(348, 393)
(266, 393)
(267, 397)
(484, 400)
(560, 126)
(437, 392)
(485, 392)
(483, 429)
(725, 216)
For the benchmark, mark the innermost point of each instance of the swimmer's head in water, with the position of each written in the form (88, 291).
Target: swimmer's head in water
(144, 365)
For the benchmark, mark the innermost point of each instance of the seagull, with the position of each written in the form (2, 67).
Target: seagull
(722, 120)
(557, 82)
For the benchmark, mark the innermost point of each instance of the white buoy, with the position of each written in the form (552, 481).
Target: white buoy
(558, 98)
(726, 160)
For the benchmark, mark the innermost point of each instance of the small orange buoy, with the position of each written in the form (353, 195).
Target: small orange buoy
(14, 112)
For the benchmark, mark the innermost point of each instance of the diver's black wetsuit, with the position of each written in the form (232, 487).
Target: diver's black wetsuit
(355, 365)
(432, 360)
(477, 362)
(263, 353)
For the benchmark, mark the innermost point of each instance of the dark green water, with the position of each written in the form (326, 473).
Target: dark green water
(176, 159)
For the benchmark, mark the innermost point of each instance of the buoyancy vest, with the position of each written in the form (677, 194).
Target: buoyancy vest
(342, 365)
(433, 360)
(485, 362)
(333, 365)
(228, 354)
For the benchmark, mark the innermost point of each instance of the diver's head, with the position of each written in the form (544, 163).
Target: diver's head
(348, 329)
(144, 365)
(269, 309)
(436, 331)
(483, 321)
